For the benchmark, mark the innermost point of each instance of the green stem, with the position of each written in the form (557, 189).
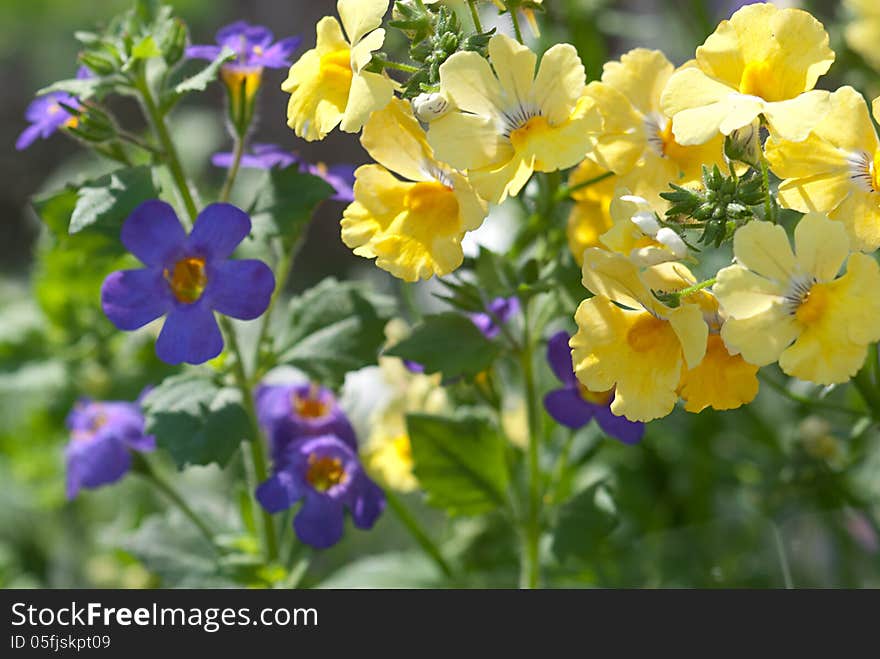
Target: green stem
(282, 273)
(146, 469)
(238, 153)
(514, 18)
(865, 384)
(133, 139)
(171, 157)
(530, 574)
(769, 208)
(418, 533)
(255, 440)
(566, 191)
(399, 66)
(475, 15)
(690, 290)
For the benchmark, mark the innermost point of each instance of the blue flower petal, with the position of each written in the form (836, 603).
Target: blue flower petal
(218, 230)
(368, 502)
(203, 52)
(628, 432)
(279, 493)
(568, 408)
(190, 335)
(95, 462)
(153, 233)
(240, 289)
(559, 358)
(133, 298)
(320, 521)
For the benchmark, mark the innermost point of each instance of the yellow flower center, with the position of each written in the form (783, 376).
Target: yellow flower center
(875, 172)
(759, 79)
(310, 406)
(534, 128)
(325, 472)
(188, 279)
(435, 205)
(647, 333)
(258, 50)
(813, 306)
(595, 397)
(336, 68)
(403, 448)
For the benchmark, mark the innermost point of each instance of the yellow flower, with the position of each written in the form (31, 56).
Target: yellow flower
(722, 381)
(629, 341)
(863, 31)
(637, 136)
(328, 85)
(389, 458)
(636, 233)
(590, 216)
(412, 228)
(511, 123)
(835, 170)
(762, 62)
(793, 307)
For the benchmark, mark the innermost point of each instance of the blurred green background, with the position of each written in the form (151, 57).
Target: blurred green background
(758, 497)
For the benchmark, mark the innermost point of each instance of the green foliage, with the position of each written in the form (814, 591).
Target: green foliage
(195, 420)
(449, 343)
(285, 202)
(334, 328)
(460, 462)
(103, 205)
(198, 82)
(583, 522)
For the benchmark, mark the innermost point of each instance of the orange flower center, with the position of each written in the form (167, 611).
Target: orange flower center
(336, 68)
(324, 473)
(760, 79)
(310, 406)
(534, 128)
(187, 279)
(813, 306)
(647, 332)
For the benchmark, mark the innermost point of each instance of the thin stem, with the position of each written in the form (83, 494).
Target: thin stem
(475, 15)
(769, 208)
(566, 191)
(514, 18)
(238, 153)
(146, 469)
(418, 533)
(783, 558)
(530, 575)
(171, 157)
(865, 384)
(255, 441)
(399, 66)
(282, 273)
(142, 144)
(690, 290)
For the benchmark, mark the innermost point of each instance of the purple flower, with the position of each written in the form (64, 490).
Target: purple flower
(325, 474)
(341, 177)
(500, 310)
(573, 406)
(252, 45)
(102, 437)
(46, 114)
(262, 156)
(291, 412)
(187, 278)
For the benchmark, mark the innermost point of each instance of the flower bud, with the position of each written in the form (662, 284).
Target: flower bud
(430, 106)
(744, 144)
(672, 241)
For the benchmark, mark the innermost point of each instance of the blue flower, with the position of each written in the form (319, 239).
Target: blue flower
(291, 412)
(252, 45)
(574, 406)
(102, 438)
(187, 279)
(500, 310)
(47, 114)
(325, 474)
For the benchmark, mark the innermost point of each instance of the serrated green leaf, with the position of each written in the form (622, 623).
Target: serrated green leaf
(286, 201)
(583, 522)
(195, 420)
(56, 208)
(459, 463)
(334, 328)
(104, 204)
(82, 88)
(447, 343)
(199, 82)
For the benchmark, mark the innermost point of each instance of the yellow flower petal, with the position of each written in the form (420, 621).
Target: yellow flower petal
(721, 381)
(559, 83)
(764, 248)
(692, 332)
(615, 277)
(641, 76)
(361, 16)
(742, 293)
(821, 246)
(468, 141)
(468, 82)
(590, 216)
(860, 214)
(369, 92)
(379, 199)
(362, 51)
(859, 287)
(471, 206)
(762, 337)
(622, 140)
(495, 184)
(394, 138)
(794, 119)
(562, 145)
(514, 66)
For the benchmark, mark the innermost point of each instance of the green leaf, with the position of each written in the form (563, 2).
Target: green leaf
(583, 522)
(105, 204)
(334, 328)
(199, 82)
(391, 570)
(196, 421)
(286, 201)
(56, 208)
(449, 343)
(146, 48)
(460, 462)
(84, 88)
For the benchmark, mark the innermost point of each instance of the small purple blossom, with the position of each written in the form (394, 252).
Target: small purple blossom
(500, 310)
(253, 46)
(291, 412)
(102, 438)
(574, 406)
(47, 114)
(341, 177)
(187, 278)
(325, 474)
